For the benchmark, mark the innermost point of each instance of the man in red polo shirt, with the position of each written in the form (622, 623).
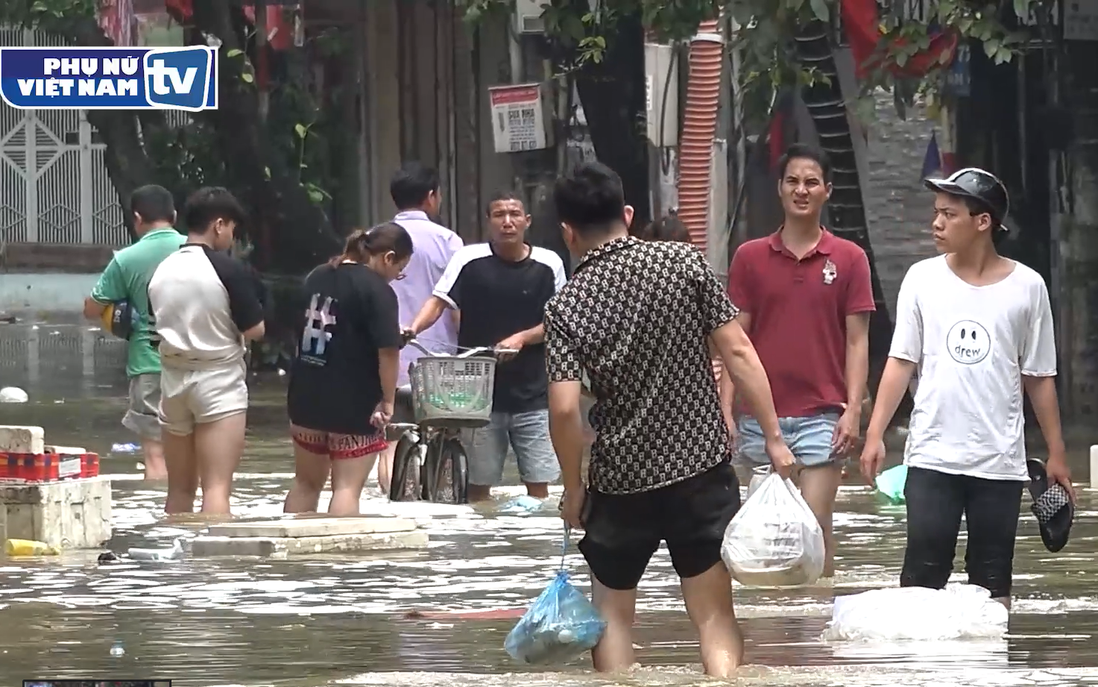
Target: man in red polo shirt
(805, 298)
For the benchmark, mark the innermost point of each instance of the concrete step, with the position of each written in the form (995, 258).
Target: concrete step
(313, 527)
(208, 546)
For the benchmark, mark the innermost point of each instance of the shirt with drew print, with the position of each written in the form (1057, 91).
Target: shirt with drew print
(635, 319)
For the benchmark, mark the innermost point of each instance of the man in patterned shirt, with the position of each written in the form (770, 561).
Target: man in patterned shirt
(635, 320)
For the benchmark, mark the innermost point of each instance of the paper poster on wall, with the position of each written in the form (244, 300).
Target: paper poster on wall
(518, 118)
(1081, 20)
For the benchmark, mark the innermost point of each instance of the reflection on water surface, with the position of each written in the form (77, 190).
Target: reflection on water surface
(334, 620)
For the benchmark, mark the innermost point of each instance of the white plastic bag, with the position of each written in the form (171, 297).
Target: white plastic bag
(960, 611)
(775, 540)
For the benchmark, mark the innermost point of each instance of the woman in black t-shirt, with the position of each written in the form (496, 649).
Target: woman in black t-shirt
(343, 377)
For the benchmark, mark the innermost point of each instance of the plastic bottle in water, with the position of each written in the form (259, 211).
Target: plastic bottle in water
(117, 650)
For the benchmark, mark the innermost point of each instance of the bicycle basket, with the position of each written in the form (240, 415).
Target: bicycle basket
(453, 392)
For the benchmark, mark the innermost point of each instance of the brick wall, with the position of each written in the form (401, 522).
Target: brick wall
(899, 209)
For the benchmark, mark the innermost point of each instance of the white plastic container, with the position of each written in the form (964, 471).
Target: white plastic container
(170, 554)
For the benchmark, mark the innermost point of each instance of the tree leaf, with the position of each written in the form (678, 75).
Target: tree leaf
(300, 130)
(1021, 9)
(234, 52)
(820, 10)
(248, 78)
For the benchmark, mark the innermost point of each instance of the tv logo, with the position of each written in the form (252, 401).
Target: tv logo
(112, 78)
(181, 78)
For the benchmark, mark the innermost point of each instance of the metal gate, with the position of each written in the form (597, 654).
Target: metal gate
(54, 186)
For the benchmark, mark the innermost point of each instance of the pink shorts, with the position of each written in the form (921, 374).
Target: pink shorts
(338, 446)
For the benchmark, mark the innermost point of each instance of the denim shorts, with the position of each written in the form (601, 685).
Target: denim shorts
(527, 434)
(808, 438)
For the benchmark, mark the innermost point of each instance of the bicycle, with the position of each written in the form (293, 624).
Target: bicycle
(448, 394)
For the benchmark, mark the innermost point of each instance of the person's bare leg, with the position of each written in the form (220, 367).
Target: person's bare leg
(819, 486)
(614, 652)
(708, 599)
(349, 476)
(385, 468)
(182, 472)
(218, 447)
(153, 453)
(479, 492)
(539, 490)
(310, 476)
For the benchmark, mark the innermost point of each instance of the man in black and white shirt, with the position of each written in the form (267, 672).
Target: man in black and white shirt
(636, 319)
(501, 288)
(205, 307)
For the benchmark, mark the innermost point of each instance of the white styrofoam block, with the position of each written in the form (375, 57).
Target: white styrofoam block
(70, 514)
(21, 439)
(66, 450)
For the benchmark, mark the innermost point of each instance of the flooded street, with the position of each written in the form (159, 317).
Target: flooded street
(345, 620)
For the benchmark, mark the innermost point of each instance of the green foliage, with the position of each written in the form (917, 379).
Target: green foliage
(763, 32)
(300, 131)
(582, 31)
(979, 21)
(35, 13)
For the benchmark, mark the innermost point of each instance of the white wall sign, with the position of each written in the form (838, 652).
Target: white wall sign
(518, 118)
(1081, 20)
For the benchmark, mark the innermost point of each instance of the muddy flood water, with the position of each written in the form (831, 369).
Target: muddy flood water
(344, 620)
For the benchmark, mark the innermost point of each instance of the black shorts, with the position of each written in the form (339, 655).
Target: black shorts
(935, 503)
(622, 531)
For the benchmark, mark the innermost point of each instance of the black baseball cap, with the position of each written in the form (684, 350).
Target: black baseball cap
(979, 185)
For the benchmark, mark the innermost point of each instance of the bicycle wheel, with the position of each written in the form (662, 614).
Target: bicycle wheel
(429, 472)
(455, 462)
(404, 481)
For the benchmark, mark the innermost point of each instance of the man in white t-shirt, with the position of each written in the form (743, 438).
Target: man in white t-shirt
(977, 328)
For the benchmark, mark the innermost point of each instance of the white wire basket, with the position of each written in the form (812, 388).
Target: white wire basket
(453, 392)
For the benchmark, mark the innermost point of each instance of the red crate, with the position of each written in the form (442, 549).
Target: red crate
(48, 467)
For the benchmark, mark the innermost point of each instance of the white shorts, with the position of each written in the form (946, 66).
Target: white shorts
(190, 397)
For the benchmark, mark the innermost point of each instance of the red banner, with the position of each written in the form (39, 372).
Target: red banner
(861, 24)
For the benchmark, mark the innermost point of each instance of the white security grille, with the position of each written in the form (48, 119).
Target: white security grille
(53, 179)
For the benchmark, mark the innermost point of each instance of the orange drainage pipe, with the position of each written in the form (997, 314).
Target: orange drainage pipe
(699, 130)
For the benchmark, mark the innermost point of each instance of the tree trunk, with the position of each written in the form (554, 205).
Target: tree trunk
(614, 101)
(827, 107)
(290, 233)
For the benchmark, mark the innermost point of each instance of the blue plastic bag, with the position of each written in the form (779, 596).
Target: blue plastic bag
(560, 625)
(891, 484)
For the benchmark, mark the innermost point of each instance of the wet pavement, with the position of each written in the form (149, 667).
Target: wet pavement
(329, 620)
